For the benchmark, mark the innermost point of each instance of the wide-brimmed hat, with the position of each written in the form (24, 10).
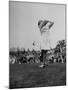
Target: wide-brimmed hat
(45, 25)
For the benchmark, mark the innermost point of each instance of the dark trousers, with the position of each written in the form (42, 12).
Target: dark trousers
(43, 56)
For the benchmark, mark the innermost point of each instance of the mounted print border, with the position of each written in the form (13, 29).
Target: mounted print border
(37, 44)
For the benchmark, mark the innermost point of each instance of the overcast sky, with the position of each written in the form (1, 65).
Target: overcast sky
(23, 23)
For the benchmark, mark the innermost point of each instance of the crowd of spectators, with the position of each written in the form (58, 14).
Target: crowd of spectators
(55, 55)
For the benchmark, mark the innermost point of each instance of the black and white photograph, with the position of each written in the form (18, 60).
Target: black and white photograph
(37, 44)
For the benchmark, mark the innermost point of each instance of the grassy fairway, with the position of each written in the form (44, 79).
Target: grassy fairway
(30, 75)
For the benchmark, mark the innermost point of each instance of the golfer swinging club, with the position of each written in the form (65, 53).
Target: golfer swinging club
(44, 27)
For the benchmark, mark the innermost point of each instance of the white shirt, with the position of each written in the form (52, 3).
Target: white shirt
(45, 40)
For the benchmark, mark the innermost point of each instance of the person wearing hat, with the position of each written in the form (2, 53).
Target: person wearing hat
(44, 27)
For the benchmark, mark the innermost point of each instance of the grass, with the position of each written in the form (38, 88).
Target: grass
(30, 75)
